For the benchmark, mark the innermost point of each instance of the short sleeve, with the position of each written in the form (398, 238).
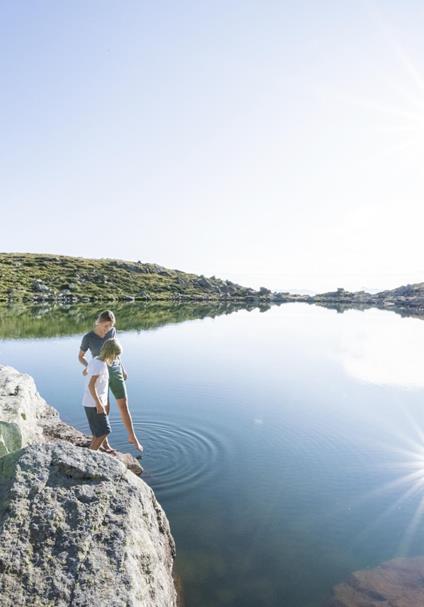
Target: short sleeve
(95, 367)
(84, 343)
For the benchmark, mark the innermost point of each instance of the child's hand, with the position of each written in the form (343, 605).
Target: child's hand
(85, 371)
(100, 410)
(125, 374)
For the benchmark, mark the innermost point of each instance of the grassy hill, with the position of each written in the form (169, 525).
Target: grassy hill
(42, 277)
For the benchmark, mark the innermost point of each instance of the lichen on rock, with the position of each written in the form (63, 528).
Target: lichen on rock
(10, 438)
(77, 527)
(81, 529)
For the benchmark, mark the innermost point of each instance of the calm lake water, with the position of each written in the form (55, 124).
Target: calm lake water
(285, 445)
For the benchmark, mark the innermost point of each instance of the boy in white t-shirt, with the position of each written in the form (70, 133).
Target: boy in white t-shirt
(95, 397)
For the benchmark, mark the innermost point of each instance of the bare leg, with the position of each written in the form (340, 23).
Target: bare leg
(127, 419)
(97, 441)
(106, 445)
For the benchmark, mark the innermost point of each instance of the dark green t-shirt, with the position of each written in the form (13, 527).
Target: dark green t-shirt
(93, 342)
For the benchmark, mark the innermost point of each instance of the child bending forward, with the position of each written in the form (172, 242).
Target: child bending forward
(95, 397)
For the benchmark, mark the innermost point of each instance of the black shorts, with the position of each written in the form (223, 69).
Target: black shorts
(99, 422)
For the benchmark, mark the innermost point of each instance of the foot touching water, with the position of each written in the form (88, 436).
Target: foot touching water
(133, 440)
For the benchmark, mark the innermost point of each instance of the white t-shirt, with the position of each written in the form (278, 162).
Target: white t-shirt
(96, 367)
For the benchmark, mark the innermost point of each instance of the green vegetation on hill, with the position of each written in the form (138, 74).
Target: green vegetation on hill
(42, 277)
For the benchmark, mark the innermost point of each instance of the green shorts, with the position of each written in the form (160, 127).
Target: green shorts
(117, 382)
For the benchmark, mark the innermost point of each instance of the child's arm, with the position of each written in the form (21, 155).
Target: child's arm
(83, 349)
(92, 387)
(83, 361)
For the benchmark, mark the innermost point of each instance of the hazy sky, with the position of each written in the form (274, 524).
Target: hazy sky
(277, 143)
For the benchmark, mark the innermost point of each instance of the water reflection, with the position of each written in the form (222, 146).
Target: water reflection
(406, 311)
(21, 321)
(384, 349)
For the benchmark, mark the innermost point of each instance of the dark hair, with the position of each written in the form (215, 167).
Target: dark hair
(106, 316)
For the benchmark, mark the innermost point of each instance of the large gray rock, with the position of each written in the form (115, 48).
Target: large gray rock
(26, 418)
(22, 406)
(77, 528)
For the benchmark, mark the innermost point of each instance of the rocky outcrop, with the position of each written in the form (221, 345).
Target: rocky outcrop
(406, 297)
(25, 418)
(22, 410)
(77, 527)
(395, 583)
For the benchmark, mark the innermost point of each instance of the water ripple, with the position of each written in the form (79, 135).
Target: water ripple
(178, 458)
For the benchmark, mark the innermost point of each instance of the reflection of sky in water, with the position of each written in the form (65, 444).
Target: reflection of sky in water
(283, 445)
(383, 348)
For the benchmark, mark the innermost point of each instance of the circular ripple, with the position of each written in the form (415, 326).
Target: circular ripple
(178, 458)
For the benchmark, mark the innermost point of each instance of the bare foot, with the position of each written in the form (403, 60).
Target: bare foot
(111, 451)
(107, 448)
(133, 440)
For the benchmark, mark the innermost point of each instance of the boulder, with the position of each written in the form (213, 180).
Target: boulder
(395, 583)
(78, 528)
(39, 286)
(22, 406)
(203, 282)
(263, 291)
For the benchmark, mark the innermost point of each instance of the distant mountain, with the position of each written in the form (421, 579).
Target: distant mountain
(42, 277)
